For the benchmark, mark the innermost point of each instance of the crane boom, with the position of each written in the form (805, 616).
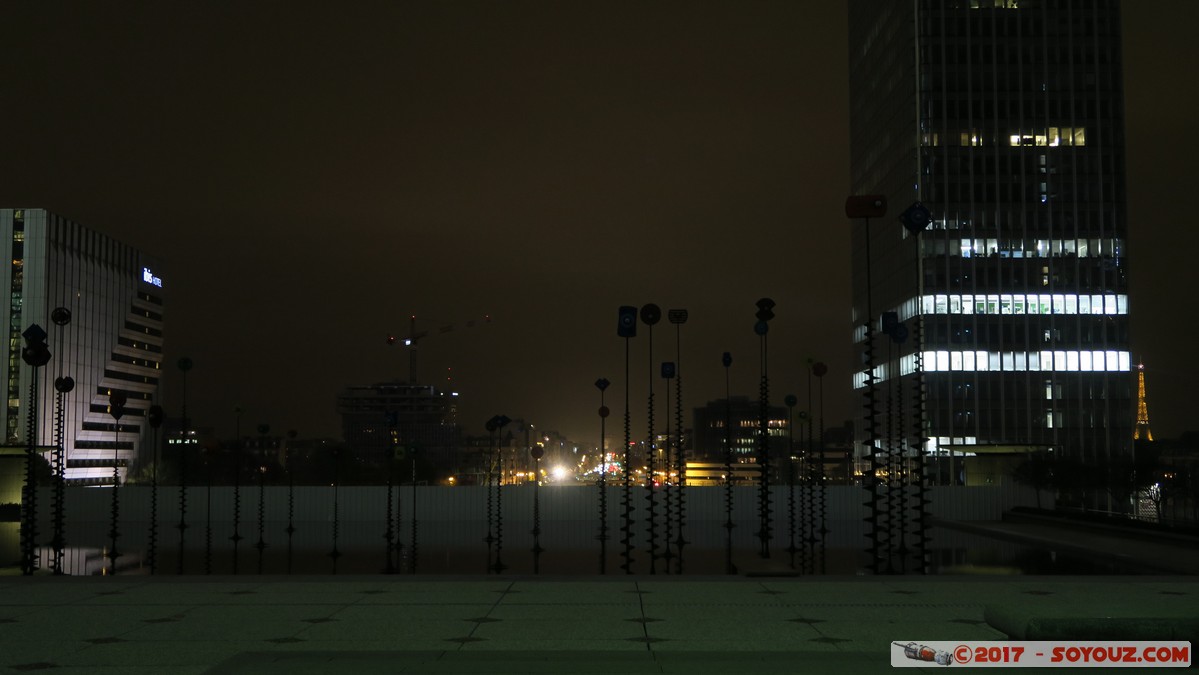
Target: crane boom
(414, 337)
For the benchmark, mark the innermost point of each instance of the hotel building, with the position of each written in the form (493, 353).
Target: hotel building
(113, 341)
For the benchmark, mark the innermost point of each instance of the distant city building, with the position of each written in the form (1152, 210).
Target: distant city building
(113, 342)
(744, 413)
(379, 419)
(1005, 118)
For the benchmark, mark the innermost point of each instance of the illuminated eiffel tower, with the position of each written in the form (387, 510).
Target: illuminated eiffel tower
(1142, 427)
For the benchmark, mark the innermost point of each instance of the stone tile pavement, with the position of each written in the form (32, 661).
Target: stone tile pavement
(508, 624)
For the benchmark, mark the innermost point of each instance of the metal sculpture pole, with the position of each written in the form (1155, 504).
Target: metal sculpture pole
(887, 523)
(237, 469)
(900, 451)
(867, 207)
(116, 408)
(790, 401)
(291, 495)
(389, 533)
(668, 375)
(491, 425)
(536, 454)
(499, 566)
(62, 386)
(412, 548)
(806, 509)
(602, 384)
(820, 370)
(809, 480)
(399, 531)
(765, 314)
(154, 415)
(336, 553)
(627, 328)
(729, 567)
(61, 316)
(206, 456)
(29, 558)
(35, 354)
(678, 317)
(184, 364)
(650, 315)
(916, 219)
(263, 430)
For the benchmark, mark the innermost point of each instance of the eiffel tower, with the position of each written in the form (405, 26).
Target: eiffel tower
(1142, 428)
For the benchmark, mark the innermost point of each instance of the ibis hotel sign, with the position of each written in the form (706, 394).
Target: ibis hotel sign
(149, 278)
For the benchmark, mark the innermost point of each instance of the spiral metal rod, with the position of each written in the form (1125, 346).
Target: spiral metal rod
(152, 549)
(729, 567)
(58, 543)
(389, 532)
(114, 531)
(680, 459)
(29, 561)
(414, 550)
(626, 501)
(336, 553)
(764, 531)
(291, 506)
(668, 488)
(918, 429)
(603, 487)
(237, 469)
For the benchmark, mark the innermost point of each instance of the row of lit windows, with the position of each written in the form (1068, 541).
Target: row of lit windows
(1009, 304)
(1083, 361)
(1026, 248)
(1005, 303)
(1046, 360)
(1052, 137)
(1014, 219)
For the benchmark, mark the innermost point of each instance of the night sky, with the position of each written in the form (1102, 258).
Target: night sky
(312, 174)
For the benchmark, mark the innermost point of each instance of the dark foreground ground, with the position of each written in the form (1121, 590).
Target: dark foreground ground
(297, 625)
(378, 624)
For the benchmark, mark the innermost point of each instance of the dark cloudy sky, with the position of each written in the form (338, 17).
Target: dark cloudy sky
(312, 174)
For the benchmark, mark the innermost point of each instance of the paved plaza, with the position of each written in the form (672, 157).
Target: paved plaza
(641, 624)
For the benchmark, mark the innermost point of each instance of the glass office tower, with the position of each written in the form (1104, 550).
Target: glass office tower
(1005, 119)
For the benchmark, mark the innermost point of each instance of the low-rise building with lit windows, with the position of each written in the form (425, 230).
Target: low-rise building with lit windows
(744, 416)
(391, 418)
(113, 341)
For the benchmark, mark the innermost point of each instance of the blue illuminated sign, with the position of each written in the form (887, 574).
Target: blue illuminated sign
(149, 278)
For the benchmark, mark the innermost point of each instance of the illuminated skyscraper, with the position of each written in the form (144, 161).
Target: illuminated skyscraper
(113, 341)
(1005, 118)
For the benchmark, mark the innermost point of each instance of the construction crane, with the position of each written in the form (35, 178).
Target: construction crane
(415, 336)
